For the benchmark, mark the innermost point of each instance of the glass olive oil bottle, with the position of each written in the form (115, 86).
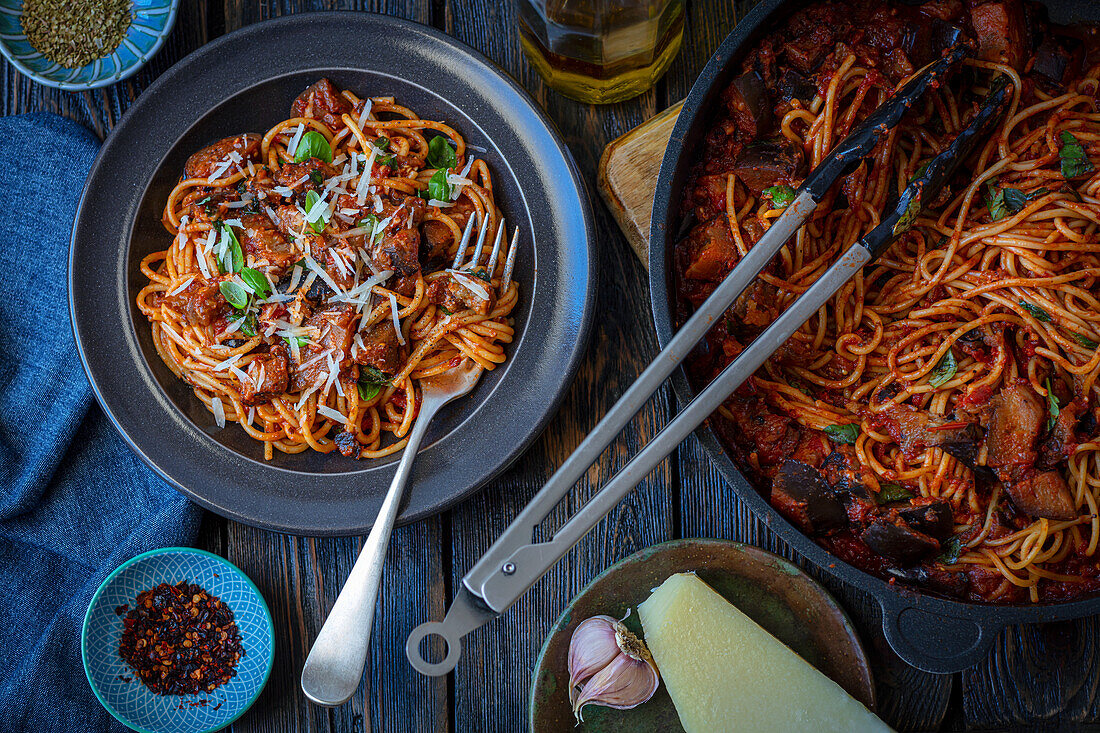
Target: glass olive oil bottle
(601, 51)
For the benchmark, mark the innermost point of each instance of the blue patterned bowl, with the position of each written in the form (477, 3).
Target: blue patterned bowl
(131, 701)
(153, 20)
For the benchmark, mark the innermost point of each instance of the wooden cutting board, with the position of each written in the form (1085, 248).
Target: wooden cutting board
(628, 176)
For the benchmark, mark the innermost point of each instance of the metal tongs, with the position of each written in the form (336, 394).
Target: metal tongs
(516, 561)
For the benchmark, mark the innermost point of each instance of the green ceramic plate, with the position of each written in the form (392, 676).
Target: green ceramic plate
(770, 590)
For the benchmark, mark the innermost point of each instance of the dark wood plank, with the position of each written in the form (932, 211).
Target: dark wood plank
(492, 680)
(1042, 675)
(908, 699)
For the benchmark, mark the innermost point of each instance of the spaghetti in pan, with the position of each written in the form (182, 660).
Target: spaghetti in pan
(309, 283)
(936, 423)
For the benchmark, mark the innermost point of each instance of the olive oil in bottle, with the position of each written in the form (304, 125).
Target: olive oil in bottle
(601, 51)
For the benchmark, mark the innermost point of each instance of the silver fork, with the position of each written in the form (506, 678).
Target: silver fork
(334, 667)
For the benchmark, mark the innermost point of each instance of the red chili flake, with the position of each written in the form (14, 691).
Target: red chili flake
(180, 640)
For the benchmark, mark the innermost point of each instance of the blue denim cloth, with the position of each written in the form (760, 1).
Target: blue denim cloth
(74, 501)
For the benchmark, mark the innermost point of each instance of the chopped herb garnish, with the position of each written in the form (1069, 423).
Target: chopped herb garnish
(313, 200)
(368, 391)
(374, 375)
(313, 145)
(372, 222)
(383, 143)
(889, 493)
(248, 328)
(256, 280)
(438, 188)
(233, 252)
(1053, 405)
(944, 370)
(843, 433)
(908, 217)
(234, 293)
(781, 196)
(1075, 163)
(441, 154)
(995, 202)
(1036, 311)
(952, 548)
(1084, 340)
(317, 177)
(445, 310)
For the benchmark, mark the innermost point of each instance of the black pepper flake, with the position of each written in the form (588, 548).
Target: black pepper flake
(180, 640)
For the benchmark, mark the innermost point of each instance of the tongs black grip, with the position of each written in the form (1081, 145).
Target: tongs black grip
(862, 140)
(928, 183)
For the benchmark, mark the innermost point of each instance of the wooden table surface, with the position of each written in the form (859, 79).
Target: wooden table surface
(1043, 676)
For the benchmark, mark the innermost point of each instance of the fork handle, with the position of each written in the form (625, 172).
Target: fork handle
(334, 667)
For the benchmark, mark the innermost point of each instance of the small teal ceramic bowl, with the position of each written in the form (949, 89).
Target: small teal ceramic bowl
(153, 20)
(119, 689)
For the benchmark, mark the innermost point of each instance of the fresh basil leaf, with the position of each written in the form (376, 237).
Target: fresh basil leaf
(1084, 340)
(1075, 163)
(1015, 199)
(383, 143)
(843, 433)
(889, 493)
(909, 217)
(317, 177)
(1054, 407)
(944, 370)
(781, 196)
(234, 293)
(313, 199)
(1038, 193)
(234, 252)
(313, 145)
(441, 154)
(952, 548)
(1036, 311)
(995, 202)
(248, 328)
(374, 375)
(368, 391)
(438, 188)
(256, 280)
(372, 222)
(301, 341)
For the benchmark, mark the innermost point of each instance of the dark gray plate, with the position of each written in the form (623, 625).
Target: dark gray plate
(245, 81)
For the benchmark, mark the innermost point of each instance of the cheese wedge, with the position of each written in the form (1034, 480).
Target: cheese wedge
(726, 673)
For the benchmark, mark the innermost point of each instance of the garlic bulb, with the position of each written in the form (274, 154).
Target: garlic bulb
(610, 666)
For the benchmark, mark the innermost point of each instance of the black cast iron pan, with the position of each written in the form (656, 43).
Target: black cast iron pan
(245, 82)
(932, 633)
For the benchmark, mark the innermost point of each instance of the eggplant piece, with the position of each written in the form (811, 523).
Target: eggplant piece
(1014, 426)
(898, 542)
(801, 492)
(793, 85)
(1042, 494)
(762, 163)
(748, 102)
(1056, 57)
(935, 519)
(844, 474)
(914, 429)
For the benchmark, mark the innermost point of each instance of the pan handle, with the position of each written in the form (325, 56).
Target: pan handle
(936, 641)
